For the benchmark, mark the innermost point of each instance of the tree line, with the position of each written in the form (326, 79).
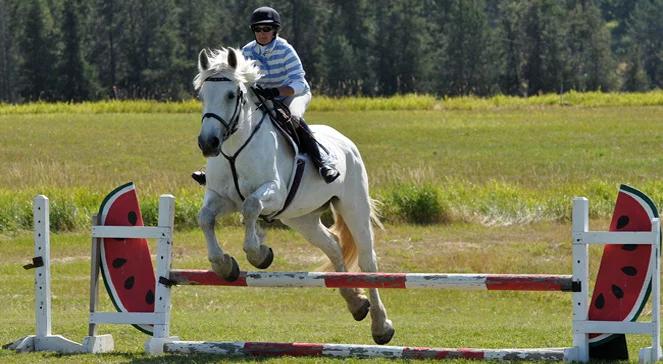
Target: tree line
(75, 50)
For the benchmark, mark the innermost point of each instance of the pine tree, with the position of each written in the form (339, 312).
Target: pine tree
(106, 30)
(401, 62)
(645, 29)
(37, 67)
(635, 77)
(347, 65)
(512, 52)
(8, 81)
(468, 65)
(546, 55)
(590, 60)
(73, 70)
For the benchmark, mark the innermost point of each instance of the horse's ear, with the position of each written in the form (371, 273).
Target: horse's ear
(232, 58)
(203, 61)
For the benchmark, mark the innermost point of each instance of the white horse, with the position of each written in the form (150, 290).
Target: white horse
(249, 169)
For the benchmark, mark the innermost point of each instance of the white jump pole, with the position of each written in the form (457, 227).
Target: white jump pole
(44, 340)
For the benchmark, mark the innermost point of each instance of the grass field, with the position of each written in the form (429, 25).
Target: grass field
(505, 176)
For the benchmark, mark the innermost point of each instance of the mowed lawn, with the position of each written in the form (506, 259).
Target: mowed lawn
(537, 151)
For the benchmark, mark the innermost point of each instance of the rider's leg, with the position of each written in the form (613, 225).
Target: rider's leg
(297, 106)
(199, 176)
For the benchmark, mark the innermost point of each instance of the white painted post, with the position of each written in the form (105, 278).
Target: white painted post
(656, 293)
(653, 353)
(580, 273)
(42, 239)
(94, 343)
(43, 340)
(161, 334)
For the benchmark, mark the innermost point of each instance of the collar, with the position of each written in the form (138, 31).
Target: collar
(264, 50)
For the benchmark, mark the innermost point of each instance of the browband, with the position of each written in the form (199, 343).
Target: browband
(217, 79)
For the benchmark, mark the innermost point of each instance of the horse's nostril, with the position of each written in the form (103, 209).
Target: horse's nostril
(215, 142)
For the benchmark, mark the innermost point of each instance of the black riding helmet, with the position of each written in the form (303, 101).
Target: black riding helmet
(265, 15)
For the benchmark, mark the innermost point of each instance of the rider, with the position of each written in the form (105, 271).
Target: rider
(283, 79)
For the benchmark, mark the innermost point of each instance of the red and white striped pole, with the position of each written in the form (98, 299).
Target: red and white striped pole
(257, 349)
(491, 282)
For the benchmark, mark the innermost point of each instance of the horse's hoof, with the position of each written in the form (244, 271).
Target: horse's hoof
(269, 258)
(361, 313)
(233, 273)
(386, 337)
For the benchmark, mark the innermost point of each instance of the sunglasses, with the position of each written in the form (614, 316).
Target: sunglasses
(266, 29)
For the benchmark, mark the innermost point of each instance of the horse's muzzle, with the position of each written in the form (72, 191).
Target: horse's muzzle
(211, 147)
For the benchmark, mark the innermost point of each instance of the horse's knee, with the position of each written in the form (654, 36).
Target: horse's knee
(206, 219)
(251, 207)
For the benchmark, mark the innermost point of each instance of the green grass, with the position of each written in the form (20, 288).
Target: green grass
(437, 318)
(499, 166)
(500, 177)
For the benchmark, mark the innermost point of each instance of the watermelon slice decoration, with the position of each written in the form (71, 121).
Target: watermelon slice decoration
(126, 264)
(623, 283)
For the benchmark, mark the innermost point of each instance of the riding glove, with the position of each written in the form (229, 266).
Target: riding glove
(268, 93)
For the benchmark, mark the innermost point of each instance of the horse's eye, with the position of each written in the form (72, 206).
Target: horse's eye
(231, 96)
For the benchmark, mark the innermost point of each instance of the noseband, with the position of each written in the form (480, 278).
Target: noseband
(230, 126)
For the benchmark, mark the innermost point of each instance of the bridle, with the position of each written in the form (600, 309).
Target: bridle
(230, 126)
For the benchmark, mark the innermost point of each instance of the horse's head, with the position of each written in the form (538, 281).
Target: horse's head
(222, 82)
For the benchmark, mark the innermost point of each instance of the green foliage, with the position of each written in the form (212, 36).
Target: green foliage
(468, 57)
(410, 102)
(644, 33)
(415, 205)
(73, 50)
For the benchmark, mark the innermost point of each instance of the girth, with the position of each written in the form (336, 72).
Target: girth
(299, 165)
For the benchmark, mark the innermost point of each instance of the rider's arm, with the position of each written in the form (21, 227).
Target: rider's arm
(296, 84)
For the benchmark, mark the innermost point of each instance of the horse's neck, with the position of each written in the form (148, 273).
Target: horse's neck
(249, 120)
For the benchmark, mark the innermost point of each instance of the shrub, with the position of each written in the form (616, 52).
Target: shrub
(417, 205)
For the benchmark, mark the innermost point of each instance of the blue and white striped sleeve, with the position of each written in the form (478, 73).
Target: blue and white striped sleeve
(295, 71)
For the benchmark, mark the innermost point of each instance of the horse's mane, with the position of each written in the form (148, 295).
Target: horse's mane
(245, 72)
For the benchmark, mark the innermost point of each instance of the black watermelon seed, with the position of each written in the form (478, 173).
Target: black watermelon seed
(618, 292)
(622, 221)
(600, 301)
(630, 271)
(629, 247)
(118, 262)
(149, 297)
(132, 217)
(129, 283)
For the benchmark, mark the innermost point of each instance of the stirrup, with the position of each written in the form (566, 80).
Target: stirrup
(199, 177)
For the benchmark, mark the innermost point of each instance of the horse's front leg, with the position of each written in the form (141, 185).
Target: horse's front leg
(223, 264)
(265, 197)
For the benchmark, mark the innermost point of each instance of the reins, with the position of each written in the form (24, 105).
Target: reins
(231, 127)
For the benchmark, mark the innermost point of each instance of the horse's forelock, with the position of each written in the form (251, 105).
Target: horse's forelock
(245, 72)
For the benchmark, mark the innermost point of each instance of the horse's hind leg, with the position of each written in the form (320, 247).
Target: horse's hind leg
(214, 205)
(356, 216)
(318, 235)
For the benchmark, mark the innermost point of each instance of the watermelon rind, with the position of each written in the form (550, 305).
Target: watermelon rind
(103, 212)
(650, 208)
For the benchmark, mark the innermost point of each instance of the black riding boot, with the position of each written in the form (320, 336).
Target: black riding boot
(312, 148)
(199, 176)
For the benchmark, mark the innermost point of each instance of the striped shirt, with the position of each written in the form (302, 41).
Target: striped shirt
(279, 64)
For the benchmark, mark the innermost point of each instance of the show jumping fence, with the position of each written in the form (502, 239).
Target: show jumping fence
(162, 342)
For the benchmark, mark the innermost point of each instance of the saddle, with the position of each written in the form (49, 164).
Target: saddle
(285, 122)
(287, 125)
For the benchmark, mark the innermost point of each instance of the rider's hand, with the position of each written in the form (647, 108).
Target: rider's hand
(268, 93)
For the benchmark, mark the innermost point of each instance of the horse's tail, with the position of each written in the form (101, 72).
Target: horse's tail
(345, 238)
